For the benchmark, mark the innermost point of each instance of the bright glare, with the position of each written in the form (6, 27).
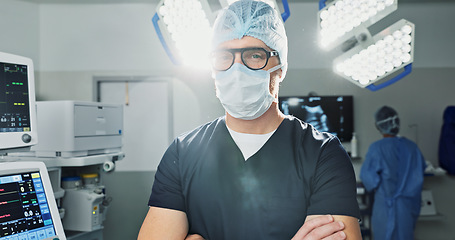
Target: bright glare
(345, 15)
(387, 54)
(189, 28)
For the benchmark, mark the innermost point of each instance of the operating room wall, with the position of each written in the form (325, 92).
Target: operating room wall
(73, 43)
(20, 29)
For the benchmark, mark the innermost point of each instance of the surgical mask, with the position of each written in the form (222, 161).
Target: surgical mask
(244, 93)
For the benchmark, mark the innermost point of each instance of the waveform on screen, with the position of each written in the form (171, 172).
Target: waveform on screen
(7, 202)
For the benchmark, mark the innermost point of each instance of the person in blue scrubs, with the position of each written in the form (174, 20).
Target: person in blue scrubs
(394, 169)
(253, 173)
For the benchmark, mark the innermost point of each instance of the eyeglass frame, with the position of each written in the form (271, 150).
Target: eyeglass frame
(269, 54)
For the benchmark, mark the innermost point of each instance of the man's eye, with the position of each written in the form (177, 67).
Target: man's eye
(257, 55)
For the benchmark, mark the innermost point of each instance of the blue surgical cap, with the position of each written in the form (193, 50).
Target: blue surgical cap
(255, 19)
(387, 121)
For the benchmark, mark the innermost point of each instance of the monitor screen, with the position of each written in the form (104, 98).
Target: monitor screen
(17, 102)
(26, 211)
(15, 116)
(333, 114)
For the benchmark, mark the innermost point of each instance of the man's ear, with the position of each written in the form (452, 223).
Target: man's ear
(279, 74)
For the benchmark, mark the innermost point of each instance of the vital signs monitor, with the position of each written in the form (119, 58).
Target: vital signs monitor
(17, 103)
(28, 210)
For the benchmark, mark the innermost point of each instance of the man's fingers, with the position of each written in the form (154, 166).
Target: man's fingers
(336, 236)
(330, 231)
(194, 237)
(311, 224)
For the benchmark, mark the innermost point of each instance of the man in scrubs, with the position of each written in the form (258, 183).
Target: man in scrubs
(393, 169)
(253, 173)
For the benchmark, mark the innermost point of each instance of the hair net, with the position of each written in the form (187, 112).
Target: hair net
(387, 121)
(255, 19)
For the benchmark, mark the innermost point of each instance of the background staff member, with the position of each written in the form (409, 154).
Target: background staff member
(393, 169)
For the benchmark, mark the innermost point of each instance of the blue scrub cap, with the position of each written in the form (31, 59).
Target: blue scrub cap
(387, 121)
(255, 19)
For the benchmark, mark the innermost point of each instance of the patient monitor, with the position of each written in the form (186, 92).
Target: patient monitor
(27, 205)
(17, 103)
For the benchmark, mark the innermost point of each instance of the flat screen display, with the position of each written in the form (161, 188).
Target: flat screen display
(14, 98)
(24, 209)
(333, 114)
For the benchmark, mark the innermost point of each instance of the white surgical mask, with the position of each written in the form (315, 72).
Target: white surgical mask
(244, 93)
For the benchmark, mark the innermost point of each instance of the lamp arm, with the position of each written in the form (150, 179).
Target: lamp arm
(285, 15)
(407, 70)
(322, 4)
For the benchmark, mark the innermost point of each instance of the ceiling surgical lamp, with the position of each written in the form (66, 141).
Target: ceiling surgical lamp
(388, 51)
(366, 60)
(342, 19)
(184, 29)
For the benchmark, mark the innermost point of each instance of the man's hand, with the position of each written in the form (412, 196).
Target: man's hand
(321, 227)
(194, 237)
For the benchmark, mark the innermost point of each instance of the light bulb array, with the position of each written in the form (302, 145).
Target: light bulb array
(342, 16)
(187, 24)
(391, 51)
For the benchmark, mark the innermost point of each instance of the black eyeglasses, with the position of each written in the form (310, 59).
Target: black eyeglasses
(252, 58)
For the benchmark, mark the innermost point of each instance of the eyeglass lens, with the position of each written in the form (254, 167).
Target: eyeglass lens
(253, 58)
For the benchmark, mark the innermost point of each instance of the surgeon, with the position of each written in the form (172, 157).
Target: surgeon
(253, 173)
(393, 169)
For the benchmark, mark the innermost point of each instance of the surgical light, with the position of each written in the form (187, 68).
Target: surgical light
(340, 20)
(389, 51)
(366, 60)
(184, 29)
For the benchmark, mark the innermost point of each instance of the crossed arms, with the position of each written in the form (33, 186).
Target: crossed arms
(162, 223)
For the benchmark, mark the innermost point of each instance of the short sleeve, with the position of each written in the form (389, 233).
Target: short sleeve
(167, 187)
(334, 184)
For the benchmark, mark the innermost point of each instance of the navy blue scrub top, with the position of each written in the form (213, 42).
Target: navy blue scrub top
(298, 172)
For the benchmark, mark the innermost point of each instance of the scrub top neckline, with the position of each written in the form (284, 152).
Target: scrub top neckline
(249, 144)
(271, 138)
